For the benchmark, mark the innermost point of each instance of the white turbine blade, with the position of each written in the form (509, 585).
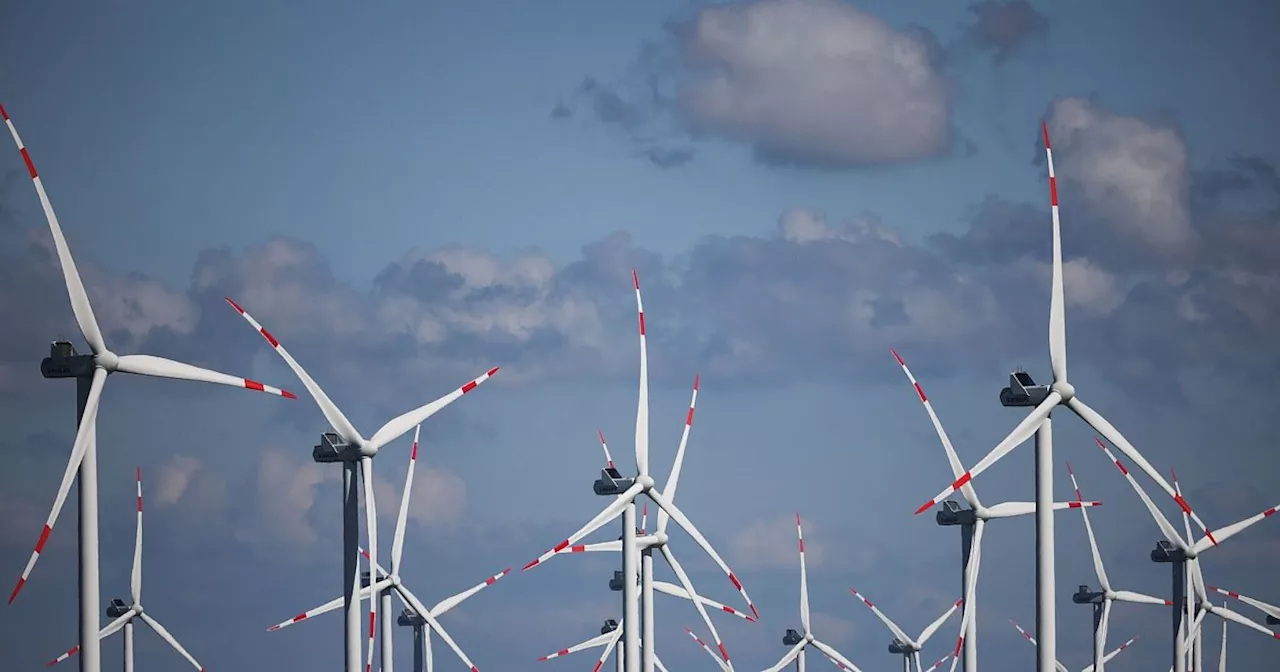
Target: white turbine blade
(791, 655)
(971, 585)
(598, 640)
(608, 459)
(135, 576)
(1026, 635)
(112, 628)
(70, 275)
(804, 580)
(1110, 433)
(416, 605)
(697, 603)
(396, 427)
(1140, 598)
(1114, 652)
(957, 469)
(935, 666)
(658, 664)
(916, 656)
(1224, 533)
(607, 514)
(673, 479)
(1104, 626)
(603, 546)
(835, 654)
(1057, 304)
(888, 622)
(164, 634)
(1268, 609)
(676, 591)
(402, 518)
(684, 523)
(608, 648)
(86, 434)
(1098, 569)
(331, 412)
(933, 627)
(371, 528)
(373, 565)
(1225, 613)
(336, 602)
(1166, 528)
(159, 367)
(1222, 651)
(644, 518)
(714, 656)
(448, 603)
(1021, 433)
(1014, 509)
(642, 407)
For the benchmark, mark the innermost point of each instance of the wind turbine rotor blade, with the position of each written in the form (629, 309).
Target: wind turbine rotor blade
(336, 602)
(336, 419)
(804, 580)
(916, 655)
(790, 656)
(1140, 598)
(1116, 651)
(86, 433)
(706, 648)
(159, 367)
(957, 469)
(928, 632)
(606, 515)
(971, 586)
(697, 603)
(598, 640)
(1223, 533)
(448, 603)
(835, 654)
(402, 518)
(373, 564)
(657, 662)
(1228, 614)
(1166, 528)
(676, 591)
(1098, 569)
(398, 426)
(644, 518)
(112, 628)
(70, 274)
(1021, 433)
(1057, 303)
(642, 407)
(164, 634)
(371, 528)
(608, 648)
(1110, 433)
(935, 666)
(1222, 650)
(888, 622)
(1025, 635)
(603, 546)
(416, 605)
(135, 576)
(608, 459)
(1268, 609)
(1104, 626)
(685, 524)
(674, 479)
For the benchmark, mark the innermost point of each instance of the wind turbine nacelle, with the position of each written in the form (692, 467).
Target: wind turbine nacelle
(117, 608)
(615, 584)
(1085, 596)
(333, 449)
(896, 646)
(64, 362)
(1166, 552)
(609, 626)
(792, 637)
(364, 579)
(410, 618)
(611, 483)
(952, 513)
(1023, 391)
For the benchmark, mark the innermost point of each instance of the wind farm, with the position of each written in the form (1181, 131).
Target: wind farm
(570, 513)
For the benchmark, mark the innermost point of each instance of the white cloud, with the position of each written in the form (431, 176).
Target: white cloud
(439, 497)
(279, 521)
(814, 81)
(174, 477)
(770, 543)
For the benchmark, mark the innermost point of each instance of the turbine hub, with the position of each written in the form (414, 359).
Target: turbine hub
(137, 609)
(646, 481)
(107, 360)
(395, 579)
(1065, 389)
(659, 539)
(808, 638)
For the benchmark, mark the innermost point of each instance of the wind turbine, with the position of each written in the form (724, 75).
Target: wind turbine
(799, 641)
(1060, 392)
(1108, 594)
(1188, 552)
(903, 644)
(609, 636)
(346, 445)
(627, 490)
(90, 372)
(1063, 668)
(659, 540)
(392, 581)
(124, 615)
(972, 523)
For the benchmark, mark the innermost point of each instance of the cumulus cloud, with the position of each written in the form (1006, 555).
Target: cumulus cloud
(279, 523)
(815, 82)
(1003, 28)
(439, 498)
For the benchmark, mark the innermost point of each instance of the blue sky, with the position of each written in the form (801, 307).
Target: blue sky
(408, 196)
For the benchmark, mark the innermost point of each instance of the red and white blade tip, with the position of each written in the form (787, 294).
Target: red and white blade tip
(635, 279)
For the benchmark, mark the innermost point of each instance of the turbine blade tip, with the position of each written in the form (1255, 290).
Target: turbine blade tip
(493, 371)
(234, 305)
